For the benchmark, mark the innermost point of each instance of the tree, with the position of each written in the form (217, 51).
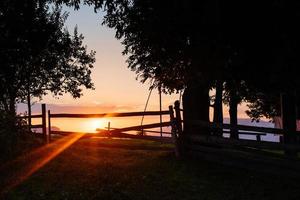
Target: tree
(178, 44)
(38, 55)
(272, 50)
(174, 44)
(187, 44)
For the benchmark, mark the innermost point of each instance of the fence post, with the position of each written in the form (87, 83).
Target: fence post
(44, 129)
(289, 118)
(160, 108)
(108, 126)
(174, 131)
(258, 137)
(180, 138)
(281, 139)
(178, 117)
(108, 130)
(49, 126)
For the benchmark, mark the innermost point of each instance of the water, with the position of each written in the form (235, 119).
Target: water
(269, 137)
(90, 125)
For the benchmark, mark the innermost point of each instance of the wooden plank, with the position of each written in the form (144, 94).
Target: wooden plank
(44, 122)
(138, 128)
(260, 129)
(178, 118)
(142, 137)
(32, 116)
(37, 126)
(126, 114)
(251, 133)
(240, 127)
(246, 133)
(160, 109)
(227, 142)
(150, 131)
(174, 132)
(49, 125)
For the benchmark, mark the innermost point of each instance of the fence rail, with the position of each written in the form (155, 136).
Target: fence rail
(112, 115)
(37, 126)
(177, 133)
(213, 125)
(213, 136)
(102, 115)
(43, 117)
(32, 116)
(141, 127)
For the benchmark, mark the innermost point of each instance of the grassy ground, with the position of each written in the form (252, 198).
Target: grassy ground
(24, 144)
(94, 168)
(279, 152)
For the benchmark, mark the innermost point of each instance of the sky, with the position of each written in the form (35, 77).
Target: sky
(116, 85)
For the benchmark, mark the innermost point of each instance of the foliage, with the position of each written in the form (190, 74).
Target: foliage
(177, 42)
(152, 40)
(263, 105)
(162, 42)
(11, 130)
(38, 55)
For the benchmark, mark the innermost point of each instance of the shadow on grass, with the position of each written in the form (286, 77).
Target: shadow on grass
(103, 169)
(129, 144)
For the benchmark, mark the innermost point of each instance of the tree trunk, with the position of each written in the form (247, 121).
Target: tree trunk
(233, 112)
(12, 106)
(196, 107)
(289, 117)
(12, 120)
(196, 100)
(29, 109)
(218, 107)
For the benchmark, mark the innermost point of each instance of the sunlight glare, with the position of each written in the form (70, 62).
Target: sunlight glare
(94, 124)
(35, 160)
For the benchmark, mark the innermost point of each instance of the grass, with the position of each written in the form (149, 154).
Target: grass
(94, 168)
(279, 152)
(22, 145)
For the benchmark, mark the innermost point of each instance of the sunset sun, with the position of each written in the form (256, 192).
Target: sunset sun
(94, 124)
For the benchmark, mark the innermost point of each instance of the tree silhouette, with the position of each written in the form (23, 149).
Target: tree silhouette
(38, 55)
(269, 49)
(175, 44)
(193, 44)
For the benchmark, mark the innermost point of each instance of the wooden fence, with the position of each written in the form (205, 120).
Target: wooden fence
(112, 131)
(181, 139)
(205, 136)
(43, 117)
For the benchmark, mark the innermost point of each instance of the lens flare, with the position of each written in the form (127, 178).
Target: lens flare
(24, 166)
